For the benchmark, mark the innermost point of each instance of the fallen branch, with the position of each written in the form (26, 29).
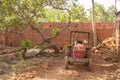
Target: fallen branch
(51, 46)
(11, 51)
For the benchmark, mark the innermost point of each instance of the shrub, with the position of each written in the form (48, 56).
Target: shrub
(26, 44)
(20, 55)
(55, 31)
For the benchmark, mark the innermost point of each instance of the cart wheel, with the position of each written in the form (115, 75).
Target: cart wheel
(66, 62)
(89, 64)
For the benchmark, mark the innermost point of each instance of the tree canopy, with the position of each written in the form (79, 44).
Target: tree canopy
(18, 12)
(102, 14)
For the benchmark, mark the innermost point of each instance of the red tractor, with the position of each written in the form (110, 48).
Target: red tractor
(78, 51)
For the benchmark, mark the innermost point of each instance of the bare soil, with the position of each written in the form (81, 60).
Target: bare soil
(51, 67)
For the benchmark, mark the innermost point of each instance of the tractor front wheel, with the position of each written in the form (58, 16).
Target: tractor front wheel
(66, 62)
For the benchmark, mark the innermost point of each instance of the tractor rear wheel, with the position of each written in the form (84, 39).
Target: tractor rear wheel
(89, 65)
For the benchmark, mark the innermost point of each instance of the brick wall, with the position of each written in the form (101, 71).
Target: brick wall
(104, 30)
(1, 38)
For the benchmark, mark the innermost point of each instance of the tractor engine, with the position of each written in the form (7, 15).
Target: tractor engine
(78, 51)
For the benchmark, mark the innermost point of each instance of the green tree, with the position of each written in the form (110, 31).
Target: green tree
(111, 14)
(78, 13)
(100, 13)
(19, 14)
(54, 15)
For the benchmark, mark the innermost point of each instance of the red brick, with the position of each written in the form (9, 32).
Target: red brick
(104, 30)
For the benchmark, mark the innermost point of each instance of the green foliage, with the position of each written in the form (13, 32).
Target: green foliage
(110, 14)
(53, 15)
(17, 14)
(20, 55)
(55, 31)
(78, 13)
(102, 15)
(26, 44)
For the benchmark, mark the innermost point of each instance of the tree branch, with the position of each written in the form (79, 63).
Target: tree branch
(40, 31)
(65, 27)
(41, 43)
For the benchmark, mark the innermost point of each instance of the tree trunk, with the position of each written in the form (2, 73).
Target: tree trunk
(41, 33)
(93, 25)
(45, 40)
(48, 39)
(115, 6)
(118, 33)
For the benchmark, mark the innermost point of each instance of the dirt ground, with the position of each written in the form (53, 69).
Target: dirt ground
(52, 68)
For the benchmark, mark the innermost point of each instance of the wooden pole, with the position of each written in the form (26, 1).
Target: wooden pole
(118, 33)
(93, 25)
